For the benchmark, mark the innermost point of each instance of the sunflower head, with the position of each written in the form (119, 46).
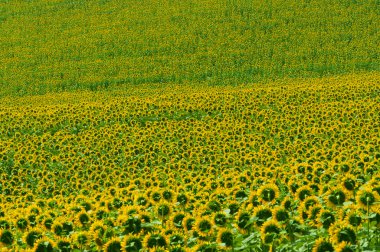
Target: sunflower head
(32, 236)
(177, 239)
(342, 233)
(325, 218)
(335, 197)
(345, 247)
(203, 226)
(132, 243)
(226, 237)
(153, 240)
(64, 245)
(262, 214)
(83, 218)
(366, 197)
(354, 218)
(243, 221)
(188, 223)
(288, 203)
(233, 207)
(303, 192)
(6, 237)
(131, 224)
(270, 231)
(220, 219)
(182, 199)
(22, 223)
(113, 245)
(177, 220)
(82, 239)
(268, 193)
(349, 182)
(214, 206)
(44, 245)
(163, 209)
(322, 245)
(280, 214)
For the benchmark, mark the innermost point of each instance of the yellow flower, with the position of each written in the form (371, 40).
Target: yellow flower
(270, 231)
(203, 226)
(268, 193)
(112, 245)
(322, 245)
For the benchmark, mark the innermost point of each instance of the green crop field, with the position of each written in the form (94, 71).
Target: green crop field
(205, 126)
(68, 45)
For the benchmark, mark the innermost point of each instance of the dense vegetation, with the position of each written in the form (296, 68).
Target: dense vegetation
(277, 165)
(67, 45)
(189, 125)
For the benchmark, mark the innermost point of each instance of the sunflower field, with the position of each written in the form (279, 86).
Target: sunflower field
(287, 166)
(193, 125)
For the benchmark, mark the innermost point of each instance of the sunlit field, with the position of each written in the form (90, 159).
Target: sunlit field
(52, 45)
(190, 125)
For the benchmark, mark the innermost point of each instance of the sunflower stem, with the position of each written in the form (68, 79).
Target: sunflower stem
(368, 219)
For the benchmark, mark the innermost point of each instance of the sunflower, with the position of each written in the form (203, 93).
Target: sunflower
(242, 221)
(57, 228)
(214, 206)
(303, 192)
(220, 219)
(6, 237)
(177, 220)
(335, 197)
(82, 218)
(270, 231)
(262, 214)
(177, 239)
(233, 207)
(48, 223)
(168, 195)
(203, 227)
(366, 197)
(349, 182)
(182, 199)
(32, 236)
(322, 245)
(152, 240)
(268, 193)
(325, 218)
(280, 214)
(64, 245)
(44, 245)
(82, 239)
(354, 217)
(4, 224)
(113, 245)
(97, 230)
(163, 209)
(345, 247)
(22, 223)
(309, 202)
(288, 203)
(313, 213)
(142, 200)
(226, 237)
(188, 223)
(130, 224)
(131, 243)
(339, 232)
